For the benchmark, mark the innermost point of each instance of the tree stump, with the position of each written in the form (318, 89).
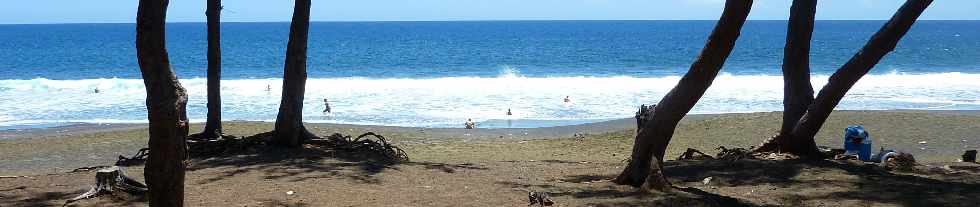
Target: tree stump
(109, 181)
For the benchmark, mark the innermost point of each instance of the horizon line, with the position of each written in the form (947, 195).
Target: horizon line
(473, 20)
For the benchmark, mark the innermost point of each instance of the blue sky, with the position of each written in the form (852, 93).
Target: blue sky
(88, 11)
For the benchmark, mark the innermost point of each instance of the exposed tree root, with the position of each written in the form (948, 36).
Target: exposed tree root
(109, 181)
(769, 145)
(138, 159)
(656, 180)
(899, 161)
(224, 145)
(380, 147)
(734, 154)
(693, 154)
(205, 136)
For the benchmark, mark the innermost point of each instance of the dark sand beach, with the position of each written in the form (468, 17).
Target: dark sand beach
(494, 167)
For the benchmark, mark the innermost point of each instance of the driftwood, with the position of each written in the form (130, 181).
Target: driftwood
(109, 181)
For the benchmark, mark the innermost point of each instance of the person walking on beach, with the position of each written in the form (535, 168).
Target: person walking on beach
(470, 124)
(326, 105)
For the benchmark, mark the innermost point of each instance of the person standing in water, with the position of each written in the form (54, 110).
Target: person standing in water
(326, 105)
(96, 89)
(470, 124)
(567, 99)
(508, 112)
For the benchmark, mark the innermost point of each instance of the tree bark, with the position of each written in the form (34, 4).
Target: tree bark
(166, 102)
(655, 132)
(212, 129)
(884, 41)
(797, 89)
(289, 131)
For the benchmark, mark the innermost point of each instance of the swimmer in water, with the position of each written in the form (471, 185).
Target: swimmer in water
(470, 124)
(508, 112)
(326, 106)
(96, 89)
(567, 99)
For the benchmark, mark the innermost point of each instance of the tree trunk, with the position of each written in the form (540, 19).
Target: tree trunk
(797, 89)
(290, 131)
(212, 129)
(166, 102)
(883, 42)
(654, 133)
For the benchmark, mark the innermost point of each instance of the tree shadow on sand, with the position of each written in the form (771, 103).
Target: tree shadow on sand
(615, 196)
(34, 198)
(873, 184)
(309, 162)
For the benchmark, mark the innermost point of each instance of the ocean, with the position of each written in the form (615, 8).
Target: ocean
(438, 74)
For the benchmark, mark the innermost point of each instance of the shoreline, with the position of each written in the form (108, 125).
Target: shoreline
(69, 129)
(62, 149)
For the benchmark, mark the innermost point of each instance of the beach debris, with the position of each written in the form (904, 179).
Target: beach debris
(923, 142)
(380, 146)
(109, 181)
(970, 156)
(137, 159)
(693, 154)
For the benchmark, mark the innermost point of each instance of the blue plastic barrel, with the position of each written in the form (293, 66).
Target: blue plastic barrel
(857, 142)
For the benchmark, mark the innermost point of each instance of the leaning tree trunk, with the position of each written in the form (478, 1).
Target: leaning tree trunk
(883, 42)
(212, 129)
(166, 102)
(290, 131)
(655, 131)
(797, 89)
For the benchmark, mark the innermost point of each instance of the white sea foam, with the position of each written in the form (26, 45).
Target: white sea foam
(446, 102)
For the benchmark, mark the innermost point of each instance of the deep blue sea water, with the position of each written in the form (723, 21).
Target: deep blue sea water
(437, 74)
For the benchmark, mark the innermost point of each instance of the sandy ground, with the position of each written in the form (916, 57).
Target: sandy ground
(494, 167)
